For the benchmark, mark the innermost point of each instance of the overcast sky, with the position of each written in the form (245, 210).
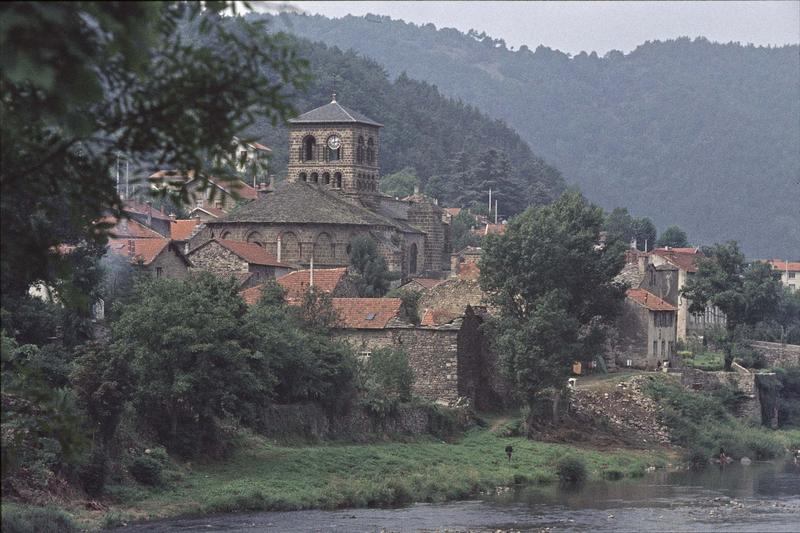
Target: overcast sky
(593, 26)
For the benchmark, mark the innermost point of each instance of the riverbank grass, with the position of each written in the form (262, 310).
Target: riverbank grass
(265, 476)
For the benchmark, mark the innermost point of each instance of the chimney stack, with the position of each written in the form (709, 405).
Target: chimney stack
(131, 248)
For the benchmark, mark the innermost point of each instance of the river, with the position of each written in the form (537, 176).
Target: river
(761, 497)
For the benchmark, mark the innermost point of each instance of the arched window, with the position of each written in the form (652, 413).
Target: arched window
(360, 150)
(314, 177)
(326, 178)
(370, 151)
(337, 179)
(255, 237)
(303, 176)
(412, 259)
(225, 235)
(290, 248)
(323, 249)
(331, 154)
(309, 148)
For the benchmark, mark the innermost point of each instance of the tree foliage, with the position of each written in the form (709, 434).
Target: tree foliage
(673, 237)
(83, 82)
(461, 227)
(553, 283)
(373, 276)
(626, 228)
(746, 292)
(401, 183)
(658, 129)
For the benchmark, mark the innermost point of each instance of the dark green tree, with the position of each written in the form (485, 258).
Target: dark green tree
(400, 183)
(622, 226)
(373, 276)
(674, 237)
(553, 283)
(184, 340)
(746, 292)
(461, 227)
(163, 84)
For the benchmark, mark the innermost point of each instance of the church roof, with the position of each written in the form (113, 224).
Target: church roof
(303, 203)
(333, 112)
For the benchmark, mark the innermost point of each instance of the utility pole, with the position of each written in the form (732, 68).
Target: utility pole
(495, 212)
(490, 200)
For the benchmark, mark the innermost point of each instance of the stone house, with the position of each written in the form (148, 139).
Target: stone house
(332, 195)
(248, 263)
(160, 258)
(420, 284)
(469, 255)
(647, 331)
(790, 272)
(667, 271)
(450, 360)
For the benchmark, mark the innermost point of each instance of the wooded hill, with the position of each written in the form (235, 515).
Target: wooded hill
(688, 132)
(422, 129)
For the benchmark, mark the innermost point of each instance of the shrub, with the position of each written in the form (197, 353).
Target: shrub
(146, 470)
(36, 520)
(93, 473)
(613, 474)
(571, 469)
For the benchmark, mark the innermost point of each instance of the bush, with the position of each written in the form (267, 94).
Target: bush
(146, 470)
(571, 469)
(93, 474)
(36, 520)
(386, 380)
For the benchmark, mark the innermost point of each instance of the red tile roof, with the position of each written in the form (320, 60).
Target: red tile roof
(252, 253)
(251, 295)
(454, 211)
(296, 283)
(683, 258)
(134, 206)
(182, 229)
(436, 317)
(792, 266)
(126, 228)
(138, 250)
(366, 313)
(649, 300)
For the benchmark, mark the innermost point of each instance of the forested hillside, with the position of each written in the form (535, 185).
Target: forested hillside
(422, 129)
(688, 132)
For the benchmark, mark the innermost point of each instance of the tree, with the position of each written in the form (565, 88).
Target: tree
(295, 348)
(746, 293)
(164, 84)
(553, 283)
(622, 226)
(461, 230)
(184, 341)
(673, 237)
(401, 183)
(374, 277)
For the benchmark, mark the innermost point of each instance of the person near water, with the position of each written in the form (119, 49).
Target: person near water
(509, 451)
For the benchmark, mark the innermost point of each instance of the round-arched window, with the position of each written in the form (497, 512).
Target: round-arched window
(309, 148)
(314, 177)
(303, 176)
(337, 180)
(326, 178)
(255, 237)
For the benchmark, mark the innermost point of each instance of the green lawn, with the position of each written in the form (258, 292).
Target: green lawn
(264, 476)
(708, 361)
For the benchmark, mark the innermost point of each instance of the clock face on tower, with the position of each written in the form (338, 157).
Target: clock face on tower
(334, 142)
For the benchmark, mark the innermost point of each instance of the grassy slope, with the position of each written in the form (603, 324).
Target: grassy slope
(264, 476)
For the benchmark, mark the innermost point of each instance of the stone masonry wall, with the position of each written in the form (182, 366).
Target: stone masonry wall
(218, 260)
(172, 266)
(709, 381)
(778, 355)
(432, 354)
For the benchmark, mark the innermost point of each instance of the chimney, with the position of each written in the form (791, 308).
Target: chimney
(311, 273)
(149, 213)
(131, 248)
(172, 216)
(279, 248)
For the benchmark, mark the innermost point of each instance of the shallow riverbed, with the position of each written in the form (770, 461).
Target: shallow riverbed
(762, 497)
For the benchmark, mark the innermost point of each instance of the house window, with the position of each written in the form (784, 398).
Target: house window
(159, 272)
(663, 347)
(791, 275)
(655, 347)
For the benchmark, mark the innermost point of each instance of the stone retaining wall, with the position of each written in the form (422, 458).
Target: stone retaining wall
(709, 381)
(777, 354)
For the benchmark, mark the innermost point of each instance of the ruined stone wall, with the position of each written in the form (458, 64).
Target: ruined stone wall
(453, 296)
(777, 354)
(745, 382)
(432, 354)
(218, 260)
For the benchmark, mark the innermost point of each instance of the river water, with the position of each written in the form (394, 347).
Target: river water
(761, 497)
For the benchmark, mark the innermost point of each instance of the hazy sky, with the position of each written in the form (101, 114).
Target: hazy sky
(599, 26)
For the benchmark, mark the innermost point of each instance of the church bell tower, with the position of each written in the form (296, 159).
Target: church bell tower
(336, 148)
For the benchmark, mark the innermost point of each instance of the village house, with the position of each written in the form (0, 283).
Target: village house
(790, 272)
(332, 195)
(665, 272)
(157, 257)
(248, 263)
(464, 263)
(421, 284)
(647, 332)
